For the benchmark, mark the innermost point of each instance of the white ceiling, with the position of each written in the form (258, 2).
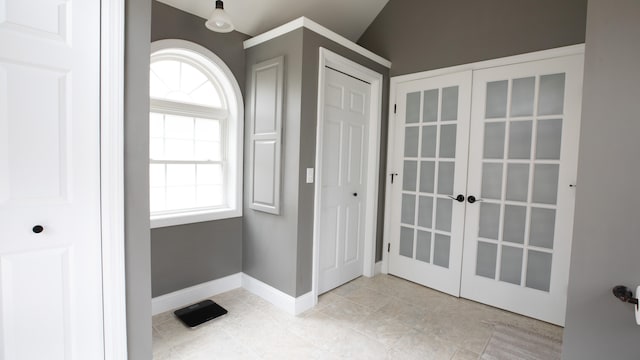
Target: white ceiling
(349, 18)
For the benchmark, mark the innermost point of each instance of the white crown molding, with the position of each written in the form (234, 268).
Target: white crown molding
(319, 29)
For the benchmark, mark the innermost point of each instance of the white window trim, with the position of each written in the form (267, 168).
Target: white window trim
(235, 131)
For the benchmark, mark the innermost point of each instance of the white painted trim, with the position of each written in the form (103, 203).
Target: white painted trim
(378, 268)
(319, 29)
(192, 294)
(509, 60)
(373, 162)
(279, 299)
(112, 178)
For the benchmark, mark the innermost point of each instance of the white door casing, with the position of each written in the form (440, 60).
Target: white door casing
(369, 162)
(431, 132)
(523, 166)
(50, 281)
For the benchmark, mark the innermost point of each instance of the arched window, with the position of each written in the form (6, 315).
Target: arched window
(195, 130)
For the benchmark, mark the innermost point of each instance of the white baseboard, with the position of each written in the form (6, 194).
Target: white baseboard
(377, 269)
(276, 297)
(192, 294)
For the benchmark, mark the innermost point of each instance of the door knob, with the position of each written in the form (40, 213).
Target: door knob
(355, 194)
(459, 198)
(37, 229)
(471, 199)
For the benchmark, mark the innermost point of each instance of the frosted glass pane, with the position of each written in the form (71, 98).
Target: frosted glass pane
(406, 242)
(517, 182)
(413, 107)
(543, 223)
(425, 211)
(181, 197)
(178, 149)
(427, 176)
(409, 176)
(430, 106)
(515, 218)
(207, 129)
(443, 214)
(429, 135)
(551, 97)
(208, 150)
(209, 195)
(423, 246)
(520, 140)
(209, 174)
(491, 181)
(549, 139)
(156, 175)
(538, 270)
(496, 105)
(494, 140)
(522, 95)
(441, 247)
(181, 174)
(545, 183)
(408, 213)
(411, 141)
(449, 103)
(489, 221)
(447, 141)
(178, 127)
(511, 265)
(156, 125)
(445, 178)
(486, 260)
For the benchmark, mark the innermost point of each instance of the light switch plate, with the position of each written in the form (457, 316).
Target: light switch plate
(309, 175)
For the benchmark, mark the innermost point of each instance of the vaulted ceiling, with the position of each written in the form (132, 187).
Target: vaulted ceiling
(349, 18)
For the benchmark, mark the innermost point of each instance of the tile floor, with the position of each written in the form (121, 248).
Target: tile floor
(383, 317)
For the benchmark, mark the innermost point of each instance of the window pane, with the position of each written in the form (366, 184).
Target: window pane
(156, 125)
(181, 197)
(207, 129)
(178, 149)
(209, 174)
(207, 150)
(181, 174)
(207, 95)
(157, 201)
(178, 127)
(209, 195)
(156, 175)
(191, 78)
(168, 72)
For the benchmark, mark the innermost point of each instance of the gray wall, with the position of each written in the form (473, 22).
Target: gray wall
(419, 35)
(605, 242)
(187, 255)
(136, 178)
(269, 251)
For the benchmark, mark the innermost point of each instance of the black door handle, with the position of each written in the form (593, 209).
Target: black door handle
(37, 229)
(459, 198)
(355, 194)
(471, 199)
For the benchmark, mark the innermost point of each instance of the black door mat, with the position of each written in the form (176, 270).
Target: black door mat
(196, 314)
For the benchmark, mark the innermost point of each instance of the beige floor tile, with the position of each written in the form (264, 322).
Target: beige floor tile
(465, 355)
(370, 298)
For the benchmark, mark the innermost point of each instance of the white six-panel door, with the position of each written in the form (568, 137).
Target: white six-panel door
(508, 243)
(345, 135)
(430, 153)
(50, 250)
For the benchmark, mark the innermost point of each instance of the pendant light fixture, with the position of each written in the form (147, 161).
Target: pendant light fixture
(219, 21)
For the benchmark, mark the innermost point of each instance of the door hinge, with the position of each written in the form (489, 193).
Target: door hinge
(395, 108)
(388, 247)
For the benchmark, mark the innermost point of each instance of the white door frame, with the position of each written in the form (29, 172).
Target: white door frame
(373, 159)
(516, 59)
(112, 178)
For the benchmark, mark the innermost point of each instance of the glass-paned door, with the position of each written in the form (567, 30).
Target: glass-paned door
(522, 173)
(430, 150)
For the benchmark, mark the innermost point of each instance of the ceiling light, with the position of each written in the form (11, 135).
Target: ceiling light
(219, 21)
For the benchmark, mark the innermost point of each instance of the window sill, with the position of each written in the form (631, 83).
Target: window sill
(158, 221)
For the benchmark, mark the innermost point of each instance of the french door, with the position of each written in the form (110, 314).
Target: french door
(514, 234)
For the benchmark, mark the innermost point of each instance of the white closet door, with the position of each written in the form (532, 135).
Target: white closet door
(522, 169)
(430, 158)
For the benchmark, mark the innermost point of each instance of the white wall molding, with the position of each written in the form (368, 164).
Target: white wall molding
(279, 299)
(192, 294)
(319, 29)
(378, 268)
